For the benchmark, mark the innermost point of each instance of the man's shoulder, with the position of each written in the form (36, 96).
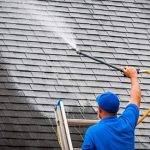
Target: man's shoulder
(131, 115)
(131, 105)
(131, 109)
(98, 126)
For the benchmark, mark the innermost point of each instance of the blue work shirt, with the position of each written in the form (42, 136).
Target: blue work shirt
(113, 133)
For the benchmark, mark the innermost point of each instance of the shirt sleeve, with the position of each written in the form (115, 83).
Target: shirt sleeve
(88, 144)
(131, 113)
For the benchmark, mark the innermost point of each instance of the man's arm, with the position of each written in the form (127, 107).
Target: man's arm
(135, 91)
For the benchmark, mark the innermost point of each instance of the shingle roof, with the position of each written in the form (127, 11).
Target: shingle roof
(38, 67)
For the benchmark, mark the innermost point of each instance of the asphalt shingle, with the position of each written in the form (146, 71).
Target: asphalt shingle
(38, 67)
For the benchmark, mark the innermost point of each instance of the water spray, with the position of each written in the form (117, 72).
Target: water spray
(107, 64)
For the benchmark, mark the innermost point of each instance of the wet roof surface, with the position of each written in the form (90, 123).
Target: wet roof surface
(38, 66)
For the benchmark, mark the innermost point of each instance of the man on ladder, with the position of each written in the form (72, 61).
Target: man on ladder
(112, 132)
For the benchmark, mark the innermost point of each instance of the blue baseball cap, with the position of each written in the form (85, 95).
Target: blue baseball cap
(108, 101)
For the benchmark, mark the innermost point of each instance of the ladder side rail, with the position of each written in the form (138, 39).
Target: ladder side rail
(62, 127)
(66, 126)
(59, 129)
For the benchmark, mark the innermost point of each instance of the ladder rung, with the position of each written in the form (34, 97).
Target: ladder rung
(81, 122)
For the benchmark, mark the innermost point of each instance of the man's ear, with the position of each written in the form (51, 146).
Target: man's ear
(99, 112)
(99, 109)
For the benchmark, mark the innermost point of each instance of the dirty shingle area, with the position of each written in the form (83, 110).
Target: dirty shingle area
(38, 66)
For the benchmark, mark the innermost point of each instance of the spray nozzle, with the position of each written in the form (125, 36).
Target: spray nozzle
(77, 50)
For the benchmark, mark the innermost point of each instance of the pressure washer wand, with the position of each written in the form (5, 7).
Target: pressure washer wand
(98, 60)
(112, 66)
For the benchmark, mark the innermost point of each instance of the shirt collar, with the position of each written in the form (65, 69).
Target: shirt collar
(108, 118)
